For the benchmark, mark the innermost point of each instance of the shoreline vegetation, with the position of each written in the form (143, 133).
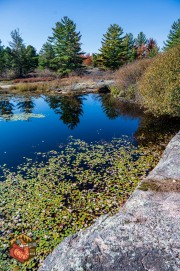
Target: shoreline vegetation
(67, 86)
(153, 84)
(130, 68)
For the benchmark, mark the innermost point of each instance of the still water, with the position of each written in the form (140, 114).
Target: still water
(29, 125)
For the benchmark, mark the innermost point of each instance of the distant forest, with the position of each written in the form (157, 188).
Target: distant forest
(62, 52)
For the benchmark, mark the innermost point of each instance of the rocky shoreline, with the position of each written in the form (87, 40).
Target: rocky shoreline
(144, 235)
(89, 86)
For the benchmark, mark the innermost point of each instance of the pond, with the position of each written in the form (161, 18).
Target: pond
(35, 124)
(88, 156)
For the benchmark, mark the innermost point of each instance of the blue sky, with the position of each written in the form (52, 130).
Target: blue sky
(36, 18)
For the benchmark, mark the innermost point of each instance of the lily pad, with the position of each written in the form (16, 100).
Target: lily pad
(21, 116)
(67, 191)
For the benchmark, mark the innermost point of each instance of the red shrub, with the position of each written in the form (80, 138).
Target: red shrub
(88, 60)
(33, 80)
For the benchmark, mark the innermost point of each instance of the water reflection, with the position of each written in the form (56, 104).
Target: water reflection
(54, 119)
(69, 108)
(26, 105)
(6, 108)
(156, 130)
(11, 107)
(150, 129)
(113, 107)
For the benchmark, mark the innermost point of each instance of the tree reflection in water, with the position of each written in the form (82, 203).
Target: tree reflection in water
(113, 107)
(6, 108)
(156, 130)
(150, 130)
(26, 105)
(68, 107)
(8, 105)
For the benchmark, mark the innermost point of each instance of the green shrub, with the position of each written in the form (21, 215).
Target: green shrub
(160, 85)
(127, 78)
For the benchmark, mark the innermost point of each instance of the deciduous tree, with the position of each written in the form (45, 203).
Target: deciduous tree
(151, 48)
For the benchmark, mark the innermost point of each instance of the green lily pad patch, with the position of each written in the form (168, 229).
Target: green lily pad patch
(21, 116)
(67, 191)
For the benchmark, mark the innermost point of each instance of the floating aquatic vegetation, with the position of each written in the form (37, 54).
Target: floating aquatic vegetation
(67, 191)
(21, 116)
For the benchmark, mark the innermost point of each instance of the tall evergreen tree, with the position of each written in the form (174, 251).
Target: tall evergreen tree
(46, 55)
(129, 47)
(67, 46)
(8, 58)
(23, 59)
(113, 50)
(174, 35)
(18, 53)
(97, 60)
(2, 59)
(30, 60)
(141, 39)
(140, 45)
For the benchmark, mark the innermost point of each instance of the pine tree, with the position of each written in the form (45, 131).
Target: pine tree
(113, 50)
(46, 55)
(8, 58)
(97, 60)
(31, 59)
(18, 53)
(2, 59)
(129, 47)
(67, 47)
(174, 35)
(140, 45)
(22, 59)
(141, 40)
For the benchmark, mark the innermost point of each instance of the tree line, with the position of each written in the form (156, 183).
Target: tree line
(62, 52)
(17, 59)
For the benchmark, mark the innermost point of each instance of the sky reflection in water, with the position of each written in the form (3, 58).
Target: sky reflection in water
(89, 117)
